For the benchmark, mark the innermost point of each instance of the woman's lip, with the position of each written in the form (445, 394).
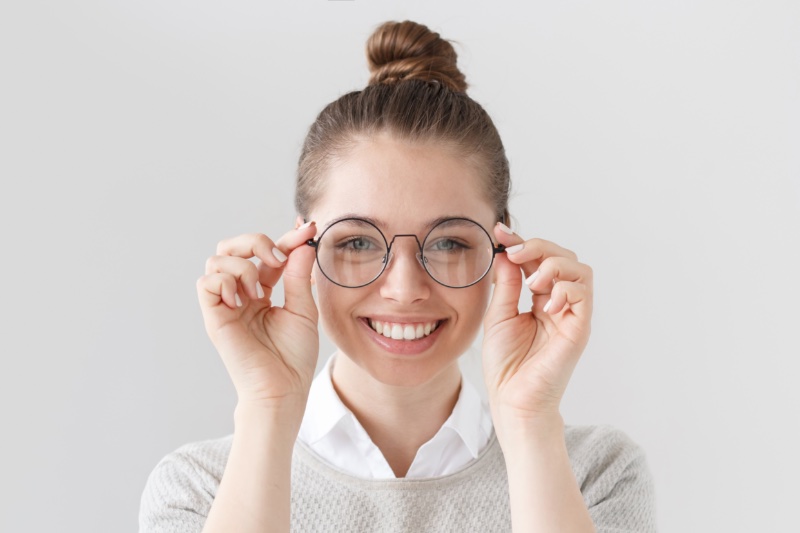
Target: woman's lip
(399, 346)
(402, 320)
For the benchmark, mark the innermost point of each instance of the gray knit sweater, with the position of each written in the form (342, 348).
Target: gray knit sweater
(610, 469)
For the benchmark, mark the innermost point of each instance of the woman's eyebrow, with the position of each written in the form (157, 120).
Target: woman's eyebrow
(374, 221)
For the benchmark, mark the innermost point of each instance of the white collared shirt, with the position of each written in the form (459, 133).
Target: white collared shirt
(331, 430)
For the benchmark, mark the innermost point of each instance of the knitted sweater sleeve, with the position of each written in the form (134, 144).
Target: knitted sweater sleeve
(614, 478)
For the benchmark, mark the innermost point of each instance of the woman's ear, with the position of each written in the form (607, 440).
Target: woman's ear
(298, 222)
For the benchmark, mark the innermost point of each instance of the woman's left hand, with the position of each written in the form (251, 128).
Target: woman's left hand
(528, 358)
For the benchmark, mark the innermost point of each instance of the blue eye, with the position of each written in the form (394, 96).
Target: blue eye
(360, 244)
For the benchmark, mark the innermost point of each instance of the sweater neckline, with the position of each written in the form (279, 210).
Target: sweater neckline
(309, 458)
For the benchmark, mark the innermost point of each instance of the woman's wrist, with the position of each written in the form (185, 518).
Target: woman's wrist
(280, 421)
(255, 491)
(527, 433)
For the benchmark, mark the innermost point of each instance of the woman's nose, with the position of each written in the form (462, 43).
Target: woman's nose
(405, 279)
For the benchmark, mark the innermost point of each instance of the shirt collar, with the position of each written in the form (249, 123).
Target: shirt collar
(325, 409)
(470, 419)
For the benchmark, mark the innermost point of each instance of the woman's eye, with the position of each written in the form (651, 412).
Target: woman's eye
(357, 244)
(446, 245)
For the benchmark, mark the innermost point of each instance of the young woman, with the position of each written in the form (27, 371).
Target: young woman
(402, 193)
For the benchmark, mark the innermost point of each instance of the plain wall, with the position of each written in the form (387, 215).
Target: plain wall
(658, 140)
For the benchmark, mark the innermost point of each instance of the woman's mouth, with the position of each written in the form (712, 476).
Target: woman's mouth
(403, 331)
(403, 338)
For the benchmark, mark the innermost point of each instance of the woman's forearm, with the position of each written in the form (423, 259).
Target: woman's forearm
(254, 494)
(544, 494)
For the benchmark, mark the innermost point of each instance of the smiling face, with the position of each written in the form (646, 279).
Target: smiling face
(403, 188)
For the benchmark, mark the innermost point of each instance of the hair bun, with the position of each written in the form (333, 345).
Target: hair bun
(406, 50)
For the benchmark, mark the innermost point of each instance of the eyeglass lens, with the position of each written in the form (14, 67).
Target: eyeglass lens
(456, 252)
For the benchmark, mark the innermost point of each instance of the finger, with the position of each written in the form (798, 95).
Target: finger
(213, 289)
(294, 238)
(529, 254)
(253, 245)
(272, 255)
(297, 283)
(553, 269)
(504, 304)
(242, 269)
(286, 244)
(576, 295)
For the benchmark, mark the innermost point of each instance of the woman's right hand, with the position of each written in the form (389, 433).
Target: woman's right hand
(270, 352)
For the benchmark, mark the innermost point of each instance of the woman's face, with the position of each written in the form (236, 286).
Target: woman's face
(403, 187)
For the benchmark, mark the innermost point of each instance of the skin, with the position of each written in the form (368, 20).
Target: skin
(270, 351)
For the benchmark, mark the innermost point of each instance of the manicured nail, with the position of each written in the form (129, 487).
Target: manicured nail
(531, 278)
(307, 224)
(514, 249)
(547, 305)
(278, 255)
(259, 290)
(238, 300)
(505, 228)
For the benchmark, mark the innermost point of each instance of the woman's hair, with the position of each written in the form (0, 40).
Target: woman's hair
(415, 93)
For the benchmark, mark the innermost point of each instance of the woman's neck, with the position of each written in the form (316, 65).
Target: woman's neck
(398, 419)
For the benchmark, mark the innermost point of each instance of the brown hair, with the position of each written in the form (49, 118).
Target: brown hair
(416, 93)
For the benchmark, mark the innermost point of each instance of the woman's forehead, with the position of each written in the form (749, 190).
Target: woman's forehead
(398, 182)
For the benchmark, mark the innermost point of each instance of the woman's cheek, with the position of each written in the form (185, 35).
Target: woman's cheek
(336, 305)
(326, 307)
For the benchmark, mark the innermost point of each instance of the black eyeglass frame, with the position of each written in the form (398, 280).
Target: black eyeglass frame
(314, 243)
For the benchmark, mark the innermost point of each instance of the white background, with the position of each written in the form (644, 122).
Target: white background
(657, 139)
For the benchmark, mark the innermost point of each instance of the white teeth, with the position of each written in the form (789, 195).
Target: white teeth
(397, 331)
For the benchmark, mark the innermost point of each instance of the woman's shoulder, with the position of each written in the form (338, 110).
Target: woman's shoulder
(181, 487)
(603, 440)
(207, 450)
(208, 455)
(612, 471)
(596, 450)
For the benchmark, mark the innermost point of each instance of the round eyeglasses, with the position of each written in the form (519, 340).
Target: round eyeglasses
(456, 253)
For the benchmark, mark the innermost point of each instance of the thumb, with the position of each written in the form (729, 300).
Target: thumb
(297, 283)
(505, 298)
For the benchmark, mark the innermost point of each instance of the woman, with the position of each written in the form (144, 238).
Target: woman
(402, 193)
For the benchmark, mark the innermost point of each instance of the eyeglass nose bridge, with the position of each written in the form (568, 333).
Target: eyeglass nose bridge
(389, 254)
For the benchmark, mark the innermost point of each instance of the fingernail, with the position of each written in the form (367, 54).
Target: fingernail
(259, 289)
(238, 300)
(505, 228)
(532, 278)
(307, 224)
(547, 305)
(514, 249)
(278, 255)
